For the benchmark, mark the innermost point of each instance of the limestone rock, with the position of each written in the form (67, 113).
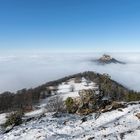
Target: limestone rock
(138, 115)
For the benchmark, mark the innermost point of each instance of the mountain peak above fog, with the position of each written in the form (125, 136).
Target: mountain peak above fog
(107, 59)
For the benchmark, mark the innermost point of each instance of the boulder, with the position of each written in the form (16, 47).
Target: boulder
(138, 115)
(84, 119)
(114, 105)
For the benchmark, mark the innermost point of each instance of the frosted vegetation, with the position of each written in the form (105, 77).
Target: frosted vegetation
(65, 115)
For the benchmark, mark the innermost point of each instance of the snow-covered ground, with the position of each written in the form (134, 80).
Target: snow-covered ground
(65, 89)
(114, 125)
(2, 118)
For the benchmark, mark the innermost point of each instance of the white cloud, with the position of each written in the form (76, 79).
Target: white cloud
(30, 70)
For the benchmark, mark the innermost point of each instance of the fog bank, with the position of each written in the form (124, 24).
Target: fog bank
(19, 71)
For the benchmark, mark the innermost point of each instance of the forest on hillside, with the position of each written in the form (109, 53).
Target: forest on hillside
(25, 99)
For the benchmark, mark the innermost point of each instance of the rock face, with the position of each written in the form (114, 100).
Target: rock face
(107, 59)
(91, 101)
(138, 115)
(86, 101)
(114, 105)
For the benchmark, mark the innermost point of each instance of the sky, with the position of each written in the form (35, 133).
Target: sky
(70, 25)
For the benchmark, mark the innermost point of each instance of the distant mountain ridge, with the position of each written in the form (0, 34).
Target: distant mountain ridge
(107, 59)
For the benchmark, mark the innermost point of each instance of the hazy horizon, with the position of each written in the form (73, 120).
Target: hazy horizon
(42, 40)
(33, 69)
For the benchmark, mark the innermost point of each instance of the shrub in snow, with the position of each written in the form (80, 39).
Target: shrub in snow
(77, 80)
(70, 105)
(55, 104)
(72, 88)
(84, 110)
(13, 119)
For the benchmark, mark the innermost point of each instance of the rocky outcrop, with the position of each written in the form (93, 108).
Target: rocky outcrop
(107, 59)
(86, 95)
(86, 101)
(138, 115)
(89, 102)
(114, 105)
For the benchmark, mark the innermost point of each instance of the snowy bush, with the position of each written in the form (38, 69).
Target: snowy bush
(72, 88)
(13, 119)
(70, 105)
(55, 104)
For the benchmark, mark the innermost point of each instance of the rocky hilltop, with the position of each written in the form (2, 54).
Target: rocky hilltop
(107, 59)
(27, 98)
(85, 106)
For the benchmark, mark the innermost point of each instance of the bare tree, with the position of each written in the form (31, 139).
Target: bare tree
(55, 104)
(72, 88)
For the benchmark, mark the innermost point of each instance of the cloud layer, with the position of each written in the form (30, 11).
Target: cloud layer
(30, 70)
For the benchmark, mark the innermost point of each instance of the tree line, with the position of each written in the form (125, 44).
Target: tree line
(26, 98)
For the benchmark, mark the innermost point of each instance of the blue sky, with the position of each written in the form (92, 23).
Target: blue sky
(58, 25)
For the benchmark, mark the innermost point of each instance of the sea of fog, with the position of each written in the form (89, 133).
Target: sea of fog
(26, 70)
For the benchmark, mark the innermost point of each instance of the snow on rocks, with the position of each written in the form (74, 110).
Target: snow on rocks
(138, 115)
(2, 118)
(113, 125)
(35, 113)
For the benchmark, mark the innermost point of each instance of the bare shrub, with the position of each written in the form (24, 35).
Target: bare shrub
(13, 119)
(72, 88)
(71, 106)
(55, 104)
